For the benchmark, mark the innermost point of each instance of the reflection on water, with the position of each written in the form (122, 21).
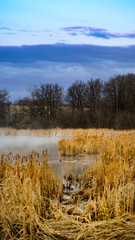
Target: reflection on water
(25, 144)
(77, 164)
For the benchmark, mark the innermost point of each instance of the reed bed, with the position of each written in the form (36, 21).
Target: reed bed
(110, 185)
(96, 143)
(60, 132)
(31, 196)
(81, 144)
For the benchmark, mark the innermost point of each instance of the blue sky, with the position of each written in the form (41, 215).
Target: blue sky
(107, 27)
(49, 21)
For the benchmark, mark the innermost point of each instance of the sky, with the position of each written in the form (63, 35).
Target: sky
(62, 41)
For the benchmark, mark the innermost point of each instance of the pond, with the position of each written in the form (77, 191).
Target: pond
(25, 144)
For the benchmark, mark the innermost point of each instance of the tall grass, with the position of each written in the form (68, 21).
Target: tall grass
(81, 144)
(29, 192)
(111, 183)
(59, 132)
(110, 186)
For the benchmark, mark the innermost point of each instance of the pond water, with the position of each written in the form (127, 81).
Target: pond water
(25, 144)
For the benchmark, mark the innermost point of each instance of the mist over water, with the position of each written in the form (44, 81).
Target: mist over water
(24, 145)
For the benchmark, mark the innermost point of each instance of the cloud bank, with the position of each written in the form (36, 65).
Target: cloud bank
(95, 32)
(81, 54)
(25, 66)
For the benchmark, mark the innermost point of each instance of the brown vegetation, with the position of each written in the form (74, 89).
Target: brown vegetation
(29, 192)
(61, 132)
(110, 186)
(31, 196)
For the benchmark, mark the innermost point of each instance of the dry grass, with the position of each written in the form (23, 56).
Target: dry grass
(60, 132)
(81, 144)
(110, 186)
(118, 228)
(94, 141)
(31, 195)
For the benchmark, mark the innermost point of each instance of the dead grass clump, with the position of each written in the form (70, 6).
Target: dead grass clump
(110, 186)
(81, 144)
(119, 142)
(71, 147)
(29, 193)
(112, 181)
(118, 228)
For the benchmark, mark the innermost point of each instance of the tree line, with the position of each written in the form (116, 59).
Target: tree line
(94, 104)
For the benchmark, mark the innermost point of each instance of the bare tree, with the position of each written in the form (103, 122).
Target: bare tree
(94, 99)
(116, 96)
(47, 99)
(4, 107)
(76, 95)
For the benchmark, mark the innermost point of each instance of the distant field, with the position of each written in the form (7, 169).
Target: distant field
(63, 132)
